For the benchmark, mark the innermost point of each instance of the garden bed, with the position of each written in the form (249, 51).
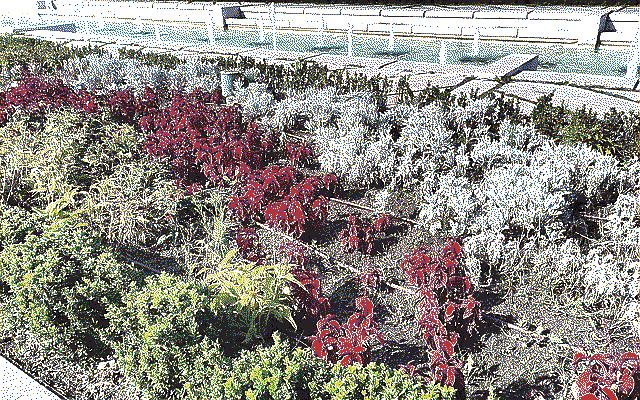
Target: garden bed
(194, 248)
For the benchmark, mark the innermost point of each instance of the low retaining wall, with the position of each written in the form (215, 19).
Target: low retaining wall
(571, 25)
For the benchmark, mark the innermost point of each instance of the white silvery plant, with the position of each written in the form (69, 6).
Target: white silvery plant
(425, 143)
(193, 74)
(104, 72)
(256, 101)
(621, 226)
(607, 279)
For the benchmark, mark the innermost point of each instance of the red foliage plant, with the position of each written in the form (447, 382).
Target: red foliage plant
(448, 307)
(284, 200)
(360, 236)
(607, 376)
(299, 154)
(248, 245)
(309, 300)
(349, 342)
(36, 94)
(205, 143)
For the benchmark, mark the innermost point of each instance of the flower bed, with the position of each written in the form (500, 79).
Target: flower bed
(370, 250)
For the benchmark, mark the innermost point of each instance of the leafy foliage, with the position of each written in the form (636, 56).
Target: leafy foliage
(62, 281)
(349, 342)
(162, 330)
(23, 52)
(204, 143)
(282, 372)
(284, 200)
(251, 293)
(448, 308)
(607, 376)
(360, 236)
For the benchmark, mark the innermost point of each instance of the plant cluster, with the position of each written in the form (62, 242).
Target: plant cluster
(22, 52)
(282, 198)
(359, 235)
(248, 245)
(448, 308)
(205, 144)
(281, 79)
(349, 342)
(299, 154)
(607, 376)
(103, 73)
(616, 133)
(36, 94)
(280, 371)
(63, 281)
(310, 302)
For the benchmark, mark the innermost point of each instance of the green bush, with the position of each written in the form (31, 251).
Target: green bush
(163, 330)
(166, 61)
(62, 281)
(16, 223)
(616, 133)
(18, 51)
(280, 372)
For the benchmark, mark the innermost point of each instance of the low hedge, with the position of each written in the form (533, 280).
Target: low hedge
(62, 280)
(282, 372)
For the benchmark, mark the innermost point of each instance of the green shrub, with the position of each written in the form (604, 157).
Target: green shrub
(16, 223)
(164, 329)
(280, 372)
(167, 61)
(62, 281)
(205, 234)
(18, 51)
(616, 133)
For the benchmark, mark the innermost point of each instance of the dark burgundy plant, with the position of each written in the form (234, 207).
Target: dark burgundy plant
(281, 198)
(248, 244)
(37, 94)
(310, 303)
(204, 143)
(448, 309)
(349, 342)
(360, 236)
(299, 154)
(607, 376)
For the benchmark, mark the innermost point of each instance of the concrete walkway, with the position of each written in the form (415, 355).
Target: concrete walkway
(17, 385)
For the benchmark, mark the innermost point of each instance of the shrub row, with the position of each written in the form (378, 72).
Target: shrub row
(23, 52)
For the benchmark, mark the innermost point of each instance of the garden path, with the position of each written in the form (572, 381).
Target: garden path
(17, 385)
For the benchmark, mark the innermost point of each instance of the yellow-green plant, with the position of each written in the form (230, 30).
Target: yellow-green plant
(255, 292)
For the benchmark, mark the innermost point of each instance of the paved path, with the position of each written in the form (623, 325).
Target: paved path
(16, 385)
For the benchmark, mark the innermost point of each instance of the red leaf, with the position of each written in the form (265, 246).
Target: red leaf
(609, 393)
(365, 305)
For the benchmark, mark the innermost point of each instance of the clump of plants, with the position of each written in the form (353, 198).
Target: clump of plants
(606, 376)
(360, 236)
(448, 307)
(62, 281)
